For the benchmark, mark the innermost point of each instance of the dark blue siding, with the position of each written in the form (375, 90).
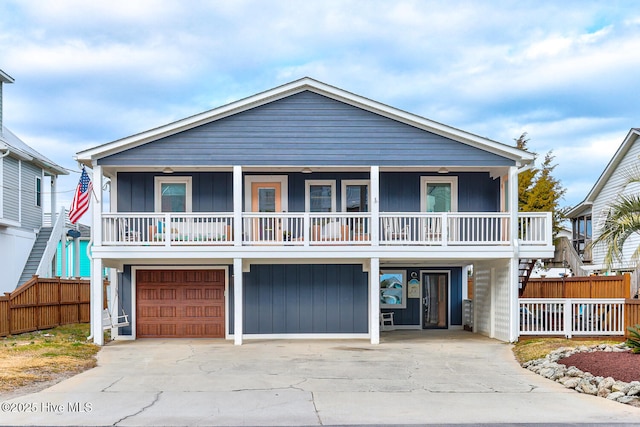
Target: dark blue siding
(399, 191)
(477, 192)
(306, 129)
(411, 315)
(212, 191)
(124, 297)
(281, 299)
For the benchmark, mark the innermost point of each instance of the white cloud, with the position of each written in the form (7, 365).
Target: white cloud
(90, 72)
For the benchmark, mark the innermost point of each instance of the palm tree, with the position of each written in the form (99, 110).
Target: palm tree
(621, 221)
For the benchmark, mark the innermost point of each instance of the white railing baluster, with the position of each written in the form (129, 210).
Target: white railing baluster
(569, 317)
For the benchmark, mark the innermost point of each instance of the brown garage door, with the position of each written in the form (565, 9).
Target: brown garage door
(180, 303)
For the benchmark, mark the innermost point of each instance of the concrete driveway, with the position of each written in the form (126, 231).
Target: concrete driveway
(412, 377)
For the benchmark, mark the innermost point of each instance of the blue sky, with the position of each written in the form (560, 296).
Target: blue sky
(565, 72)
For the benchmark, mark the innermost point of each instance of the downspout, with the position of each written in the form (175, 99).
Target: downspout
(6, 153)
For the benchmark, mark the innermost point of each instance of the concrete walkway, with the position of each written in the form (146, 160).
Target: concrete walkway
(412, 377)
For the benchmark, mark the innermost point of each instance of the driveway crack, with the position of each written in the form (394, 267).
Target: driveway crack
(112, 384)
(193, 353)
(155, 400)
(315, 408)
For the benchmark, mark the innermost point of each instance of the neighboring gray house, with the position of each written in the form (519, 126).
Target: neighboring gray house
(25, 175)
(588, 214)
(307, 211)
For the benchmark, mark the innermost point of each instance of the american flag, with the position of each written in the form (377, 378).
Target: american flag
(80, 202)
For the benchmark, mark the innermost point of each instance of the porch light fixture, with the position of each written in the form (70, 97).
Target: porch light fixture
(443, 170)
(306, 170)
(167, 170)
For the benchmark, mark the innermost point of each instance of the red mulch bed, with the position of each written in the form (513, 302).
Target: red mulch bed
(622, 366)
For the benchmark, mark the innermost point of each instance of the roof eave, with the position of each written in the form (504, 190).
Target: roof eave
(6, 78)
(611, 166)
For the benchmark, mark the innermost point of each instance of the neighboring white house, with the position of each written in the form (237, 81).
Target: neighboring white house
(25, 175)
(586, 217)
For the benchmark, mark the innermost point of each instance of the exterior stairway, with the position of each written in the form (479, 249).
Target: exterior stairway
(35, 256)
(525, 267)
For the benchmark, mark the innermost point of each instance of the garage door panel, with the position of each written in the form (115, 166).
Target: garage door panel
(180, 303)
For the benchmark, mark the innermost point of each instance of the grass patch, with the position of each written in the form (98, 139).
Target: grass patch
(537, 348)
(43, 355)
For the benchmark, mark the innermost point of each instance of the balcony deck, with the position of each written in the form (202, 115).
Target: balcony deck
(393, 230)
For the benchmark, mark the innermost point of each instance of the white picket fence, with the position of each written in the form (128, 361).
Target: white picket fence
(569, 317)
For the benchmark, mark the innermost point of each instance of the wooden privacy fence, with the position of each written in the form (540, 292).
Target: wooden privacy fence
(580, 287)
(43, 303)
(631, 313)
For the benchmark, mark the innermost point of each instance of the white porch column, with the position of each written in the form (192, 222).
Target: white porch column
(96, 206)
(97, 301)
(375, 205)
(514, 291)
(76, 256)
(374, 300)
(237, 301)
(237, 206)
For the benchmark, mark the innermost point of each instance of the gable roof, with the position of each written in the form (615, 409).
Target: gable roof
(585, 206)
(297, 86)
(5, 78)
(10, 142)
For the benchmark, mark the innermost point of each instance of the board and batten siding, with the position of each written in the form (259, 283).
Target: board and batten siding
(212, 191)
(11, 185)
(613, 188)
(491, 298)
(31, 214)
(304, 299)
(305, 129)
(501, 304)
(482, 297)
(399, 191)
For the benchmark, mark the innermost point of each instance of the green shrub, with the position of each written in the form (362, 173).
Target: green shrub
(634, 340)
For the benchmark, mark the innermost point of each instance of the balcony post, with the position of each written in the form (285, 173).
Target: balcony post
(375, 205)
(514, 291)
(306, 228)
(374, 301)
(96, 202)
(237, 206)
(97, 301)
(237, 301)
(445, 229)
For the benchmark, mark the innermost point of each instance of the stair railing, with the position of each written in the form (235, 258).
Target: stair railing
(44, 268)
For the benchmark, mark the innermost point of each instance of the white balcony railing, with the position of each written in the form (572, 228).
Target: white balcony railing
(308, 229)
(133, 229)
(568, 317)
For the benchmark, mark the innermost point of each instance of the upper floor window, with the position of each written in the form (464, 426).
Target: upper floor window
(355, 196)
(439, 193)
(320, 196)
(38, 191)
(173, 194)
(581, 232)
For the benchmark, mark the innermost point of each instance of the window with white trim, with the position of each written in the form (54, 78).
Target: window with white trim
(173, 194)
(38, 192)
(355, 195)
(439, 193)
(320, 196)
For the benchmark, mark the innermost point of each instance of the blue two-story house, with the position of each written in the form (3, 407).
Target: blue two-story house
(305, 212)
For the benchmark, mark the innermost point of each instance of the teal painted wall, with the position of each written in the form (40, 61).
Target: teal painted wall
(85, 262)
